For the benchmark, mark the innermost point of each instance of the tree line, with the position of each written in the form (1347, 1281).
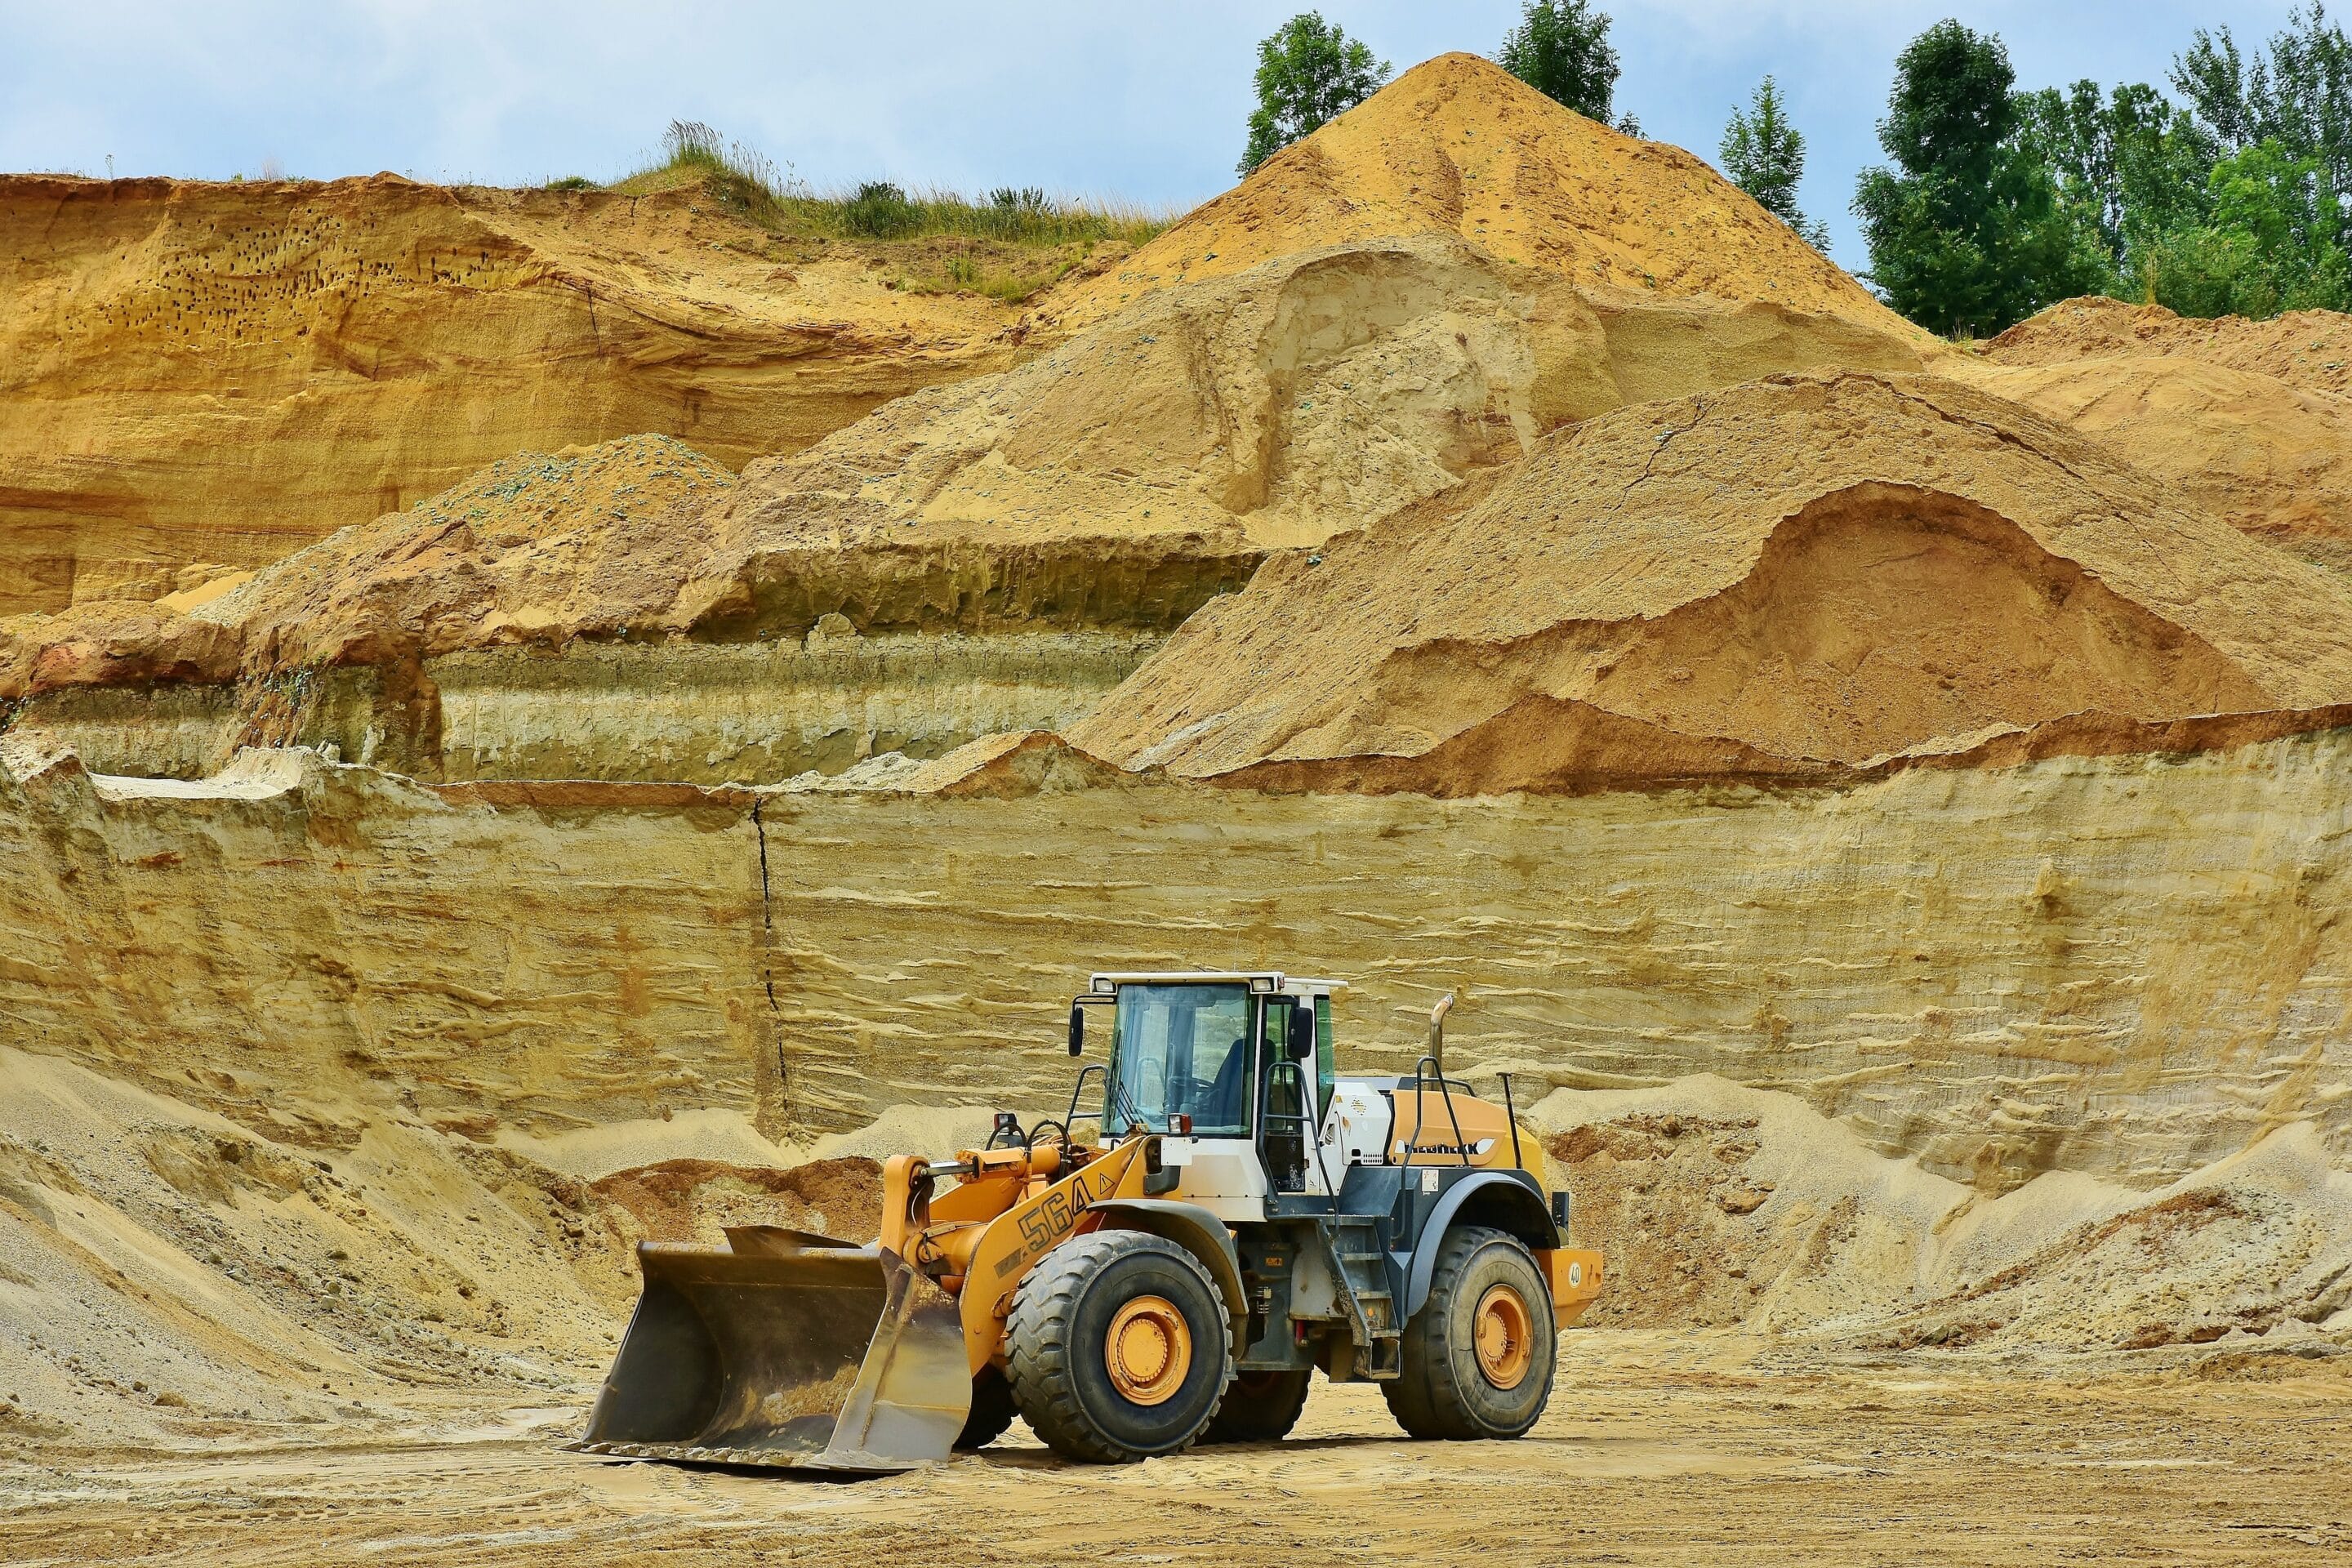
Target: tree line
(2224, 198)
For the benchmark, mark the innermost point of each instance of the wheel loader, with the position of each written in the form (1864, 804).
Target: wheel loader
(1172, 1267)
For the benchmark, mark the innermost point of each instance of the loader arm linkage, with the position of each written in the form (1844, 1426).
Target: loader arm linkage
(787, 1349)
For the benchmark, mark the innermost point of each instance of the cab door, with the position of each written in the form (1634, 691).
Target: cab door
(1289, 1114)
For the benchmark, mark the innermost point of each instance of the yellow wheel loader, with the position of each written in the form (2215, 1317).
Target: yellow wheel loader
(1245, 1216)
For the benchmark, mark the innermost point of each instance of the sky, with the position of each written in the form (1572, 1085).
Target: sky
(1144, 101)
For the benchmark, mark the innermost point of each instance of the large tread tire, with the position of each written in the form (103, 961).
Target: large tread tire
(1408, 1396)
(991, 1410)
(1055, 1337)
(1443, 1393)
(1260, 1407)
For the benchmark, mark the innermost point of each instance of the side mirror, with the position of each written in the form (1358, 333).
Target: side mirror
(1077, 1030)
(1301, 1036)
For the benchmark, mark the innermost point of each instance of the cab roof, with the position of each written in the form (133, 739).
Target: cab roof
(1265, 980)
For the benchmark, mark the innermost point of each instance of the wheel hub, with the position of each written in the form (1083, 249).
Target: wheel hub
(1148, 1350)
(1504, 1333)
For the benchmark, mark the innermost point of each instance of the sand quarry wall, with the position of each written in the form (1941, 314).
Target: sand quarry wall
(2127, 967)
(199, 377)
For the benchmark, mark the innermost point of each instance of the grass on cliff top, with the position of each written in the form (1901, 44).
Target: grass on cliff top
(1007, 246)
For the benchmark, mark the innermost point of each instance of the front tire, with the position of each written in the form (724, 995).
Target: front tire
(991, 1410)
(1117, 1348)
(1260, 1407)
(1480, 1355)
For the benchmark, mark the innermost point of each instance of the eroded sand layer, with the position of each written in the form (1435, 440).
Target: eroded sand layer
(754, 713)
(2125, 966)
(758, 713)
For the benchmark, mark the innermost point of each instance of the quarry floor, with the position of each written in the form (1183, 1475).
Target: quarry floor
(1659, 1447)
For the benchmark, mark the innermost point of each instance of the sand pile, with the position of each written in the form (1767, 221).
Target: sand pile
(1723, 1205)
(195, 373)
(2310, 351)
(2245, 419)
(1458, 146)
(172, 1277)
(1782, 579)
(696, 1200)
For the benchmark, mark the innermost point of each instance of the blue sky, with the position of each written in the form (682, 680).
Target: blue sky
(1140, 100)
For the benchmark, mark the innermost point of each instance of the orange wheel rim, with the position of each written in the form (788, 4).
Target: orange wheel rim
(1504, 1332)
(1149, 1350)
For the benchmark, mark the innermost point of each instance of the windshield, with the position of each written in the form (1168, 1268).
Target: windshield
(1183, 1050)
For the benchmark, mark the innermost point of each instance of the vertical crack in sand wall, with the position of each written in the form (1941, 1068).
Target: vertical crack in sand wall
(774, 1086)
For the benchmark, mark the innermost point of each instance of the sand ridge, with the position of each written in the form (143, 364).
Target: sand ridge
(2310, 351)
(1922, 563)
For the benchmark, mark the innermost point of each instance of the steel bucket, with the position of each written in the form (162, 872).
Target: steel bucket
(784, 1350)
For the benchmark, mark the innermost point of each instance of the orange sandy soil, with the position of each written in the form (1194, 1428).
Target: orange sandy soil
(1660, 1447)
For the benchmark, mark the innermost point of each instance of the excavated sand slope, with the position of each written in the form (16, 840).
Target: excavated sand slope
(441, 641)
(584, 540)
(1916, 566)
(1458, 146)
(194, 376)
(2047, 1060)
(1035, 533)
(2127, 966)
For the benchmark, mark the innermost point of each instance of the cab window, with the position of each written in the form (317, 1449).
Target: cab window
(1183, 1050)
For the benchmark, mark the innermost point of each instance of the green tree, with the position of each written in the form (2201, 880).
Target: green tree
(1765, 156)
(1968, 232)
(2131, 165)
(2270, 244)
(2297, 93)
(1308, 72)
(1562, 50)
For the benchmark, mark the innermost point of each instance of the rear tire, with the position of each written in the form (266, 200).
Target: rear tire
(1259, 1407)
(1117, 1348)
(1480, 1354)
(991, 1410)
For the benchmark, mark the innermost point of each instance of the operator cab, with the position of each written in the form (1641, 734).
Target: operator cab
(1233, 1070)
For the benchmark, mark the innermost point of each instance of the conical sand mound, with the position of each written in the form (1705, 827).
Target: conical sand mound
(1460, 146)
(1911, 567)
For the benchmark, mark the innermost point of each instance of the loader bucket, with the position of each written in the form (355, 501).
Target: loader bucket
(783, 1349)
